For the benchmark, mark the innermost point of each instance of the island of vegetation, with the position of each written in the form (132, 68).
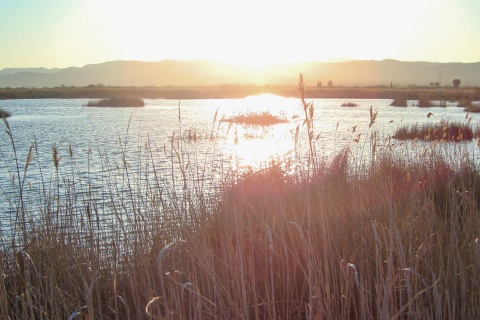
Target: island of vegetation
(256, 119)
(117, 102)
(443, 131)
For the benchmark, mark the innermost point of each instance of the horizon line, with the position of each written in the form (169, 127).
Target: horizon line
(332, 60)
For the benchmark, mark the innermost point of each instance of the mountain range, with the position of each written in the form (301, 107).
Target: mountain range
(209, 73)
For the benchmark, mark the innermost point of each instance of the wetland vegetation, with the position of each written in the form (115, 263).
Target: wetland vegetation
(256, 119)
(349, 104)
(117, 102)
(396, 237)
(443, 131)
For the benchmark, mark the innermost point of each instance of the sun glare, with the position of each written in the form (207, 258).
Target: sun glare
(255, 146)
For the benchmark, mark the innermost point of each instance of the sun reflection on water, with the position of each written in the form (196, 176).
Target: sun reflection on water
(257, 146)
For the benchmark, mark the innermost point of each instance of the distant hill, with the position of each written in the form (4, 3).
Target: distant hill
(9, 71)
(209, 73)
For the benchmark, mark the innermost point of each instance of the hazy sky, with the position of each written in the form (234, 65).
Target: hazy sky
(63, 33)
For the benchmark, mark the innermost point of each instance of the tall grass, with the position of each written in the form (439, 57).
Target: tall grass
(397, 239)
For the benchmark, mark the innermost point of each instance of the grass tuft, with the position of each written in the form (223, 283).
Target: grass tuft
(4, 114)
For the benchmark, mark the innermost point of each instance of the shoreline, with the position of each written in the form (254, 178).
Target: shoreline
(239, 91)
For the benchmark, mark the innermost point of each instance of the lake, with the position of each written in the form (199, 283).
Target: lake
(172, 145)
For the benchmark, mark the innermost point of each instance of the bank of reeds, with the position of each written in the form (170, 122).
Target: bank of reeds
(349, 104)
(443, 131)
(397, 239)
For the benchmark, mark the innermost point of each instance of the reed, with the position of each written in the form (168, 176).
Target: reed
(397, 238)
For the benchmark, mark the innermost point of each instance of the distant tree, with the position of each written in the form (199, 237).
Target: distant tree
(319, 84)
(431, 83)
(456, 83)
(436, 84)
(330, 83)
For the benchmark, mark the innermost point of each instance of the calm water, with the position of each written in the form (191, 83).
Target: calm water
(97, 146)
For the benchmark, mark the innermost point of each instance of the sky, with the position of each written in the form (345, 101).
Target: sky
(59, 33)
